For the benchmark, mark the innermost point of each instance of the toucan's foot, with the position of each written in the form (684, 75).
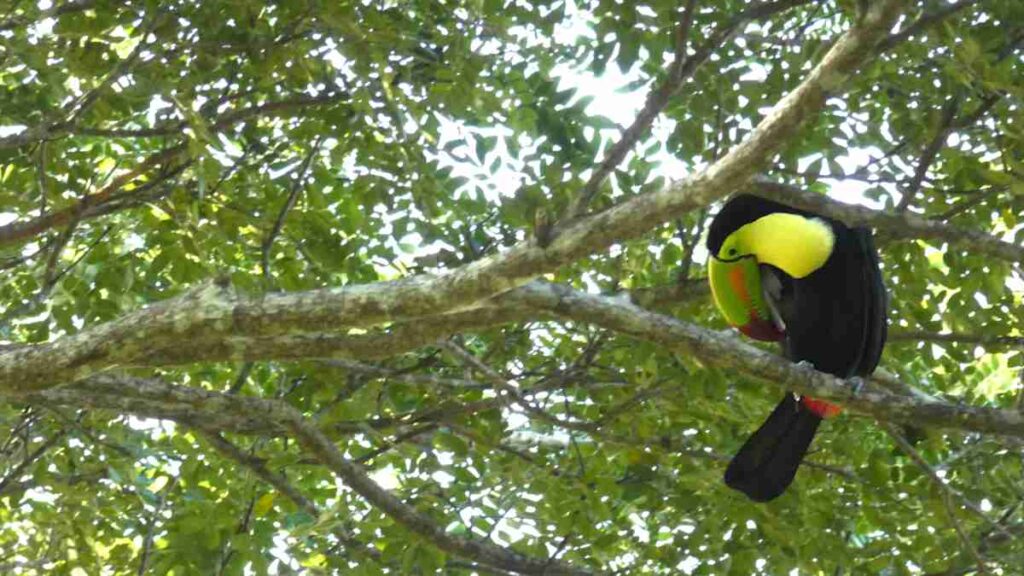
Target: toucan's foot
(856, 385)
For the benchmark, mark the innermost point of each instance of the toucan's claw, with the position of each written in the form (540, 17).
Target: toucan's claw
(856, 385)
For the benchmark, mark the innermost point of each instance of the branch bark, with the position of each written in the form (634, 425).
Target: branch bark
(727, 350)
(541, 299)
(207, 316)
(904, 225)
(677, 74)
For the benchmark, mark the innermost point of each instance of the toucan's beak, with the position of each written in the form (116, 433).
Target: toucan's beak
(736, 288)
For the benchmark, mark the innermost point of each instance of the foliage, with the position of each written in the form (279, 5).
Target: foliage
(147, 147)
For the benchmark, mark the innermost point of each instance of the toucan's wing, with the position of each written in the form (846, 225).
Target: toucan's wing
(837, 318)
(766, 464)
(876, 300)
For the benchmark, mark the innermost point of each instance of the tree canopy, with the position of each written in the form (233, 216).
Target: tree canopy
(417, 287)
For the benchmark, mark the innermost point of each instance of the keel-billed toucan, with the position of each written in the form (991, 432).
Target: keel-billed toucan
(779, 273)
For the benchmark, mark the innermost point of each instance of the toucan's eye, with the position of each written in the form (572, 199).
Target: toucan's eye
(731, 252)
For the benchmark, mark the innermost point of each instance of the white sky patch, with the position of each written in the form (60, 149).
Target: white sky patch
(41, 29)
(156, 104)
(689, 564)
(386, 478)
(12, 130)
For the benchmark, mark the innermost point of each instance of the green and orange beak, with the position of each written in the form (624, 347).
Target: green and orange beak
(736, 288)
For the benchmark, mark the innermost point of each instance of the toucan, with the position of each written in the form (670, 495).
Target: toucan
(779, 273)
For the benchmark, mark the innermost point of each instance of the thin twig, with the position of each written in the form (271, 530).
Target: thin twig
(147, 543)
(512, 393)
(298, 184)
(89, 98)
(29, 458)
(282, 485)
(929, 153)
(945, 492)
(924, 21)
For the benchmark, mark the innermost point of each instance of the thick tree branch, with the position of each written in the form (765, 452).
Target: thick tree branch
(905, 225)
(677, 73)
(230, 413)
(727, 350)
(215, 316)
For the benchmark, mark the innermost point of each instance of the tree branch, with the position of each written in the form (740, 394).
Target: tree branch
(945, 492)
(930, 152)
(905, 225)
(86, 208)
(297, 186)
(214, 316)
(27, 461)
(314, 442)
(612, 313)
(280, 483)
(727, 350)
(677, 73)
(985, 340)
(924, 21)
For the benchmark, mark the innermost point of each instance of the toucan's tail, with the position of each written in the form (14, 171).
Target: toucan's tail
(765, 465)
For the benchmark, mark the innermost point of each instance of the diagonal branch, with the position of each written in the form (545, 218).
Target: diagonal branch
(930, 152)
(210, 411)
(92, 205)
(280, 483)
(727, 350)
(297, 187)
(677, 74)
(81, 105)
(313, 441)
(945, 492)
(27, 461)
